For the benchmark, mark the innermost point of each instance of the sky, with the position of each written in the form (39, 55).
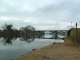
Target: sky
(41, 14)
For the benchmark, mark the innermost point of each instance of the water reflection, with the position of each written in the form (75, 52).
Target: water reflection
(18, 46)
(9, 39)
(27, 39)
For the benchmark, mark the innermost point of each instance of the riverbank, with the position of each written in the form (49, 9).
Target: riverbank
(55, 51)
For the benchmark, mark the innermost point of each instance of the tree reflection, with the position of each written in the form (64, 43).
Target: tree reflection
(26, 33)
(27, 39)
(7, 40)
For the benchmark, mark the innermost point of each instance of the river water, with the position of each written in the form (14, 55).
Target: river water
(12, 48)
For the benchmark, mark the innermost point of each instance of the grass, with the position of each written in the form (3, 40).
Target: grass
(75, 36)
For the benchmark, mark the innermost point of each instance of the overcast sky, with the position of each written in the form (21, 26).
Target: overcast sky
(42, 14)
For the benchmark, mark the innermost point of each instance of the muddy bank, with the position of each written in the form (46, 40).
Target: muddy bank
(55, 51)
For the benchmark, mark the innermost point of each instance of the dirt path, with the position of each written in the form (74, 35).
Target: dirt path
(56, 51)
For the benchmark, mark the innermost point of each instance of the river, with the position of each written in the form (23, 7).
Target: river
(12, 48)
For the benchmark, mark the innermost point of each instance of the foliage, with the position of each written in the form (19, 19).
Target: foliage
(7, 27)
(28, 31)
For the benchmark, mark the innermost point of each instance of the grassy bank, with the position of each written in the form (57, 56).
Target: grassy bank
(74, 35)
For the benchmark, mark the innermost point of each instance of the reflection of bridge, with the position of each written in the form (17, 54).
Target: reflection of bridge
(56, 32)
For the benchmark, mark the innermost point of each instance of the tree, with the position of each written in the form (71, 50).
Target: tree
(7, 30)
(28, 30)
(7, 27)
(29, 27)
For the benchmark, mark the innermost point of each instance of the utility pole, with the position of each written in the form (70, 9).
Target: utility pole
(76, 25)
(71, 24)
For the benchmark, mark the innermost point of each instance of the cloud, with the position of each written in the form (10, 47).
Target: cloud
(42, 14)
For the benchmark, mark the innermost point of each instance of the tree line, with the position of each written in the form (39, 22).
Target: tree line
(28, 31)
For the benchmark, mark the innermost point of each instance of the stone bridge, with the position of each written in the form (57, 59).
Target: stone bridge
(56, 32)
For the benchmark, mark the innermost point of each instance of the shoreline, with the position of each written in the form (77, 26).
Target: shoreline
(54, 51)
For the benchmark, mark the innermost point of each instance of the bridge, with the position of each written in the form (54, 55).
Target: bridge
(51, 30)
(55, 32)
